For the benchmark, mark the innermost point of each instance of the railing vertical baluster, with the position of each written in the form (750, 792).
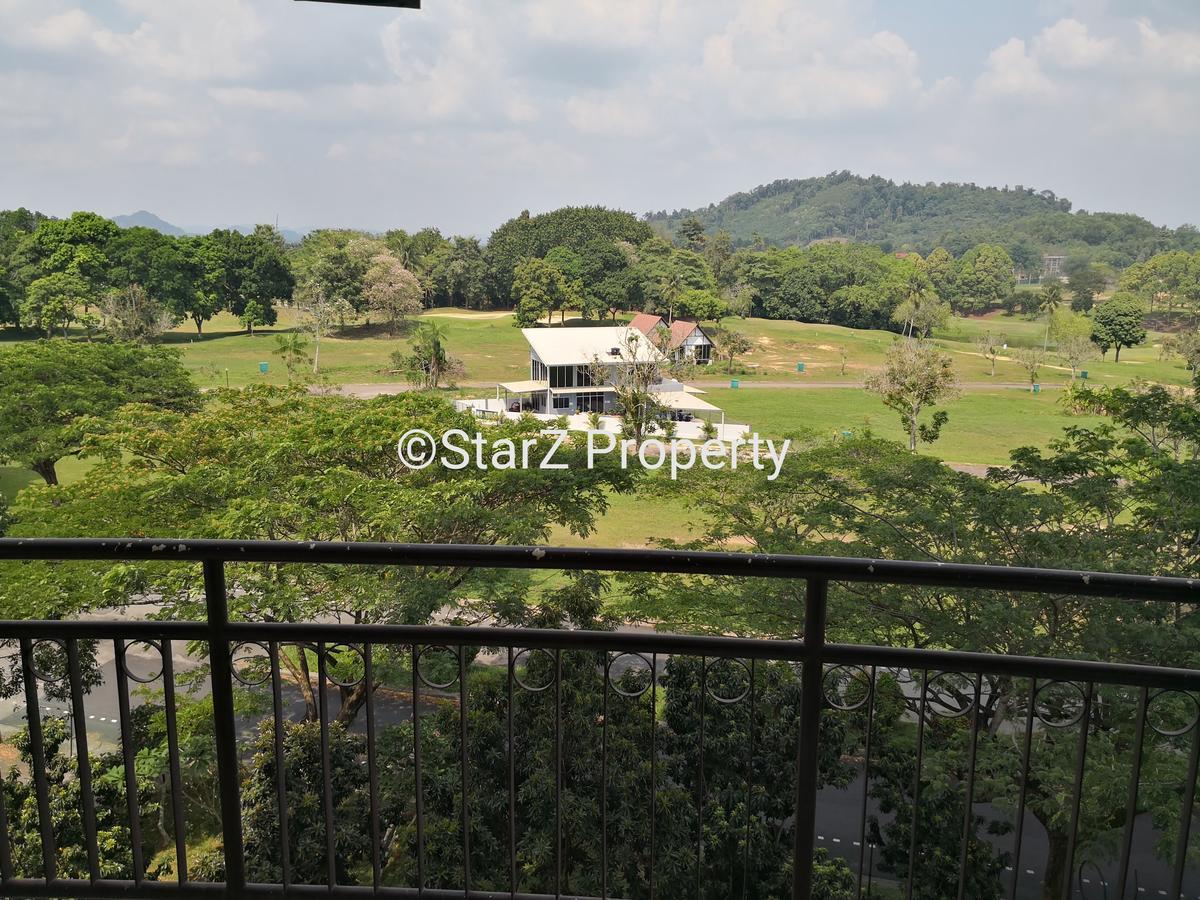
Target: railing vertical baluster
(558, 774)
(37, 752)
(749, 779)
(465, 760)
(912, 829)
(862, 834)
(372, 768)
(653, 767)
(1077, 799)
(604, 781)
(1135, 776)
(6, 871)
(177, 816)
(83, 761)
(326, 768)
(418, 791)
(1025, 761)
(512, 782)
(1187, 811)
(808, 751)
(701, 705)
(127, 757)
(969, 799)
(285, 850)
(224, 723)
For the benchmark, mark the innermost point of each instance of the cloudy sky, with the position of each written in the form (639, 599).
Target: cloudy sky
(215, 112)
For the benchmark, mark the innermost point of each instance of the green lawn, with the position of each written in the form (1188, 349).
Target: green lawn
(492, 350)
(13, 478)
(984, 425)
(634, 520)
(490, 347)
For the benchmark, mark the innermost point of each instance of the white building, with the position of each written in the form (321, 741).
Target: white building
(574, 372)
(685, 341)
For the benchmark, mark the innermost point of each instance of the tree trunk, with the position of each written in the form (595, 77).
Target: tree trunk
(1118, 359)
(912, 433)
(353, 700)
(199, 324)
(45, 468)
(317, 353)
(993, 367)
(306, 688)
(1056, 866)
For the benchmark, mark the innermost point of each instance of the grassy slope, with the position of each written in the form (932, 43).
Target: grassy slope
(984, 425)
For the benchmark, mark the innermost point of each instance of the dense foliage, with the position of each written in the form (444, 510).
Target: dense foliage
(920, 217)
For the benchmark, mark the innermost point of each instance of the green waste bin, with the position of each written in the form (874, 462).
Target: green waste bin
(799, 367)
(733, 382)
(1037, 388)
(262, 367)
(1083, 374)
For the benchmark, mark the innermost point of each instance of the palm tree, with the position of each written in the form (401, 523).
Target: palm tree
(671, 289)
(1050, 297)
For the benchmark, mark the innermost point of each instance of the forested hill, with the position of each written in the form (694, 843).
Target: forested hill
(923, 216)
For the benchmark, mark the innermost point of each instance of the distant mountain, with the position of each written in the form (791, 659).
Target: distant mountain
(143, 219)
(922, 216)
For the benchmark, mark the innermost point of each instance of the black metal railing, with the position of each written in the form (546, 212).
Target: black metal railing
(459, 790)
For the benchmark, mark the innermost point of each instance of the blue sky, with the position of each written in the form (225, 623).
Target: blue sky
(215, 112)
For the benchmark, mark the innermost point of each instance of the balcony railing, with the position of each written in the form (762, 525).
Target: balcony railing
(486, 826)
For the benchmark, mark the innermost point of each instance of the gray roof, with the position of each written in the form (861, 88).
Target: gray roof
(583, 345)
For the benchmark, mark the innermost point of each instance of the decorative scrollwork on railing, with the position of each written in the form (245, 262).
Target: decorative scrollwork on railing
(711, 666)
(1173, 713)
(1059, 704)
(41, 653)
(516, 667)
(422, 653)
(250, 664)
(641, 685)
(950, 695)
(842, 686)
(1093, 885)
(347, 659)
(149, 649)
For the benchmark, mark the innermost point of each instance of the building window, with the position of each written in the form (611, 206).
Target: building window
(703, 353)
(563, 402)
(562, 376)
(590, 402)
(537, 371)
(583, 376)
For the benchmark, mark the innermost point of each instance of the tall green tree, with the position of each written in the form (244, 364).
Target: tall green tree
(52, 302)
(52, 393)
(1118, 322)
(985, 278)
(309, 468)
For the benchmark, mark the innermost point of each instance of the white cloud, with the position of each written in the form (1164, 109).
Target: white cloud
(217, 39)
(258, 99)
(1012, 73)
(1069, 44)
(610, 115)
(1178, 50)
(61, 31)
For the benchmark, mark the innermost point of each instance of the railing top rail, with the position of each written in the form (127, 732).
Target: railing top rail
(760, 565)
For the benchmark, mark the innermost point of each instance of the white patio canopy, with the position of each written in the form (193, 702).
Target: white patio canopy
(684, 400)
(525, 387)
